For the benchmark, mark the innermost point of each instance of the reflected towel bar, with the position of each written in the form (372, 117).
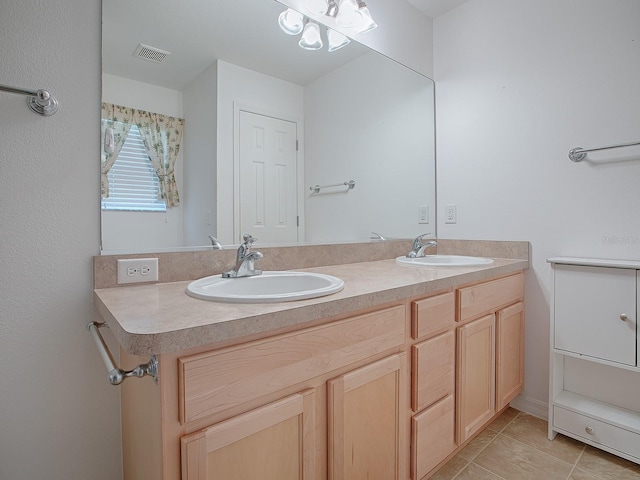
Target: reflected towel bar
(115, 374)
(578, 154)
(351, 184)
(39, 101)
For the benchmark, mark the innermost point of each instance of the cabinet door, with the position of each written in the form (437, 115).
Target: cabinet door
(595, 312)
(367, 422)
(509, 354)
(475, 376)
(274, 442)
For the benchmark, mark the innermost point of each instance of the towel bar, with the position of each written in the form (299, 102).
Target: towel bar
(117, 375)
(39, 101)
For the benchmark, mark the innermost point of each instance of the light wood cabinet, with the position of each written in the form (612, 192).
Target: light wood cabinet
(433, 370)
(475, 371)
(274, 442)
(387, 393)
(366, 418)
(509, 354)
(432, 436)
(490, 351)
(433, 382)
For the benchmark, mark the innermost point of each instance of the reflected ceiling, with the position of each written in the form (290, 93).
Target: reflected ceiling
(195, 50)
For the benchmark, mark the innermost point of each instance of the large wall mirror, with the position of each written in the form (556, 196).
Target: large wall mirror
(264, 122)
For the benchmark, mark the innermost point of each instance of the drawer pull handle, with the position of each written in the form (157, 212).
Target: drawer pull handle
(590, 430)
(623, 317)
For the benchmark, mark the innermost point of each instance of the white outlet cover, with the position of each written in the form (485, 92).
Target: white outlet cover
(137, 270)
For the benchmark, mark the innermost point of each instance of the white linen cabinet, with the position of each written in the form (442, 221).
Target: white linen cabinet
(594, 391)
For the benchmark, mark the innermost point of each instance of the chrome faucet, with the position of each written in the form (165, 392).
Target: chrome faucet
(245, 259)
(417, 249)
(215, 244)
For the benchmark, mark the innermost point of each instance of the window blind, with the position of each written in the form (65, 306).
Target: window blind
(133, 183)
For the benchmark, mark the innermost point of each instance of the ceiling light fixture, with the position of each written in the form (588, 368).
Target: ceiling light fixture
(315, 7)
(366, 22)
(332, 9)
(311, 39)
(350, 15)
(336, 40)
(291, 22)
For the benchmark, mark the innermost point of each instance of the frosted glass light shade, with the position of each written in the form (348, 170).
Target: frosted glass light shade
(336, 40)
(311, 39)
(315, 7)
(348, 14)
(291, 22)
(365, 22)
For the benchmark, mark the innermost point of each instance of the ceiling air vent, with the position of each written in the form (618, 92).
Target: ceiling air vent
(152, 54)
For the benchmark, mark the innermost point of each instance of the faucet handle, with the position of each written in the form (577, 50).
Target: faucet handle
(418, 240)
(248, 239)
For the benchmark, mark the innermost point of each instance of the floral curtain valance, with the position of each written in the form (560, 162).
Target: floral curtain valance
(162, 137)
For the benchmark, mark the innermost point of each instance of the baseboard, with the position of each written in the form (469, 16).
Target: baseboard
(531, 406)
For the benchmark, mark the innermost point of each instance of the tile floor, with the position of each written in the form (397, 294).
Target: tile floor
(515, 447)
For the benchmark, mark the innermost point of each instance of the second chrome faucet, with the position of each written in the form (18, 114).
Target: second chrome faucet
(419, 244)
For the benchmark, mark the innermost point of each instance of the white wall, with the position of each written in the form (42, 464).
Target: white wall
(518, 84)
(261, 94)
(200, 146)
(144, 230)
(377, 136)
(59, 418)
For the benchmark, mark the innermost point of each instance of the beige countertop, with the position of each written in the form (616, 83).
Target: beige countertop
(162, 318)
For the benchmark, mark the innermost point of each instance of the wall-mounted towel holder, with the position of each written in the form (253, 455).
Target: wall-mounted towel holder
(351, 184)
(39, 101)
(117, 375)
(578, 154)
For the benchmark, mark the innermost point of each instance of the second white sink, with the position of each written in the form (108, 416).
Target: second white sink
(270, 287)
(445, 261)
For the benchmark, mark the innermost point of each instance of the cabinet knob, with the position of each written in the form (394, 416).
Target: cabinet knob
(590, 430)
(623, 317)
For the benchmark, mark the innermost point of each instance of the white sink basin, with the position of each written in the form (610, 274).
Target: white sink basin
(270, 287)
(445, 261)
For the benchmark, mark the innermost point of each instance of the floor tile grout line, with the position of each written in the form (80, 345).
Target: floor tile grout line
(469, 462)
(491, 441)
(487, 470)
(538, 450)
(461, 470)
(575, 465)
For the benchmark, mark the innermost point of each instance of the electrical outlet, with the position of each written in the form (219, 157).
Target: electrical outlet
(135, 270)
(451, 214)
(423, 214)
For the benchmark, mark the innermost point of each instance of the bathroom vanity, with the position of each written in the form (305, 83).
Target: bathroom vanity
(594, 387)
(386, 379)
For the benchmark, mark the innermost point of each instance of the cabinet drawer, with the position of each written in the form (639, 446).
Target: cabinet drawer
(596, 431)
(489, 296)
(216, 381)
(432, 437)
(432, 314)
(433, 370)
